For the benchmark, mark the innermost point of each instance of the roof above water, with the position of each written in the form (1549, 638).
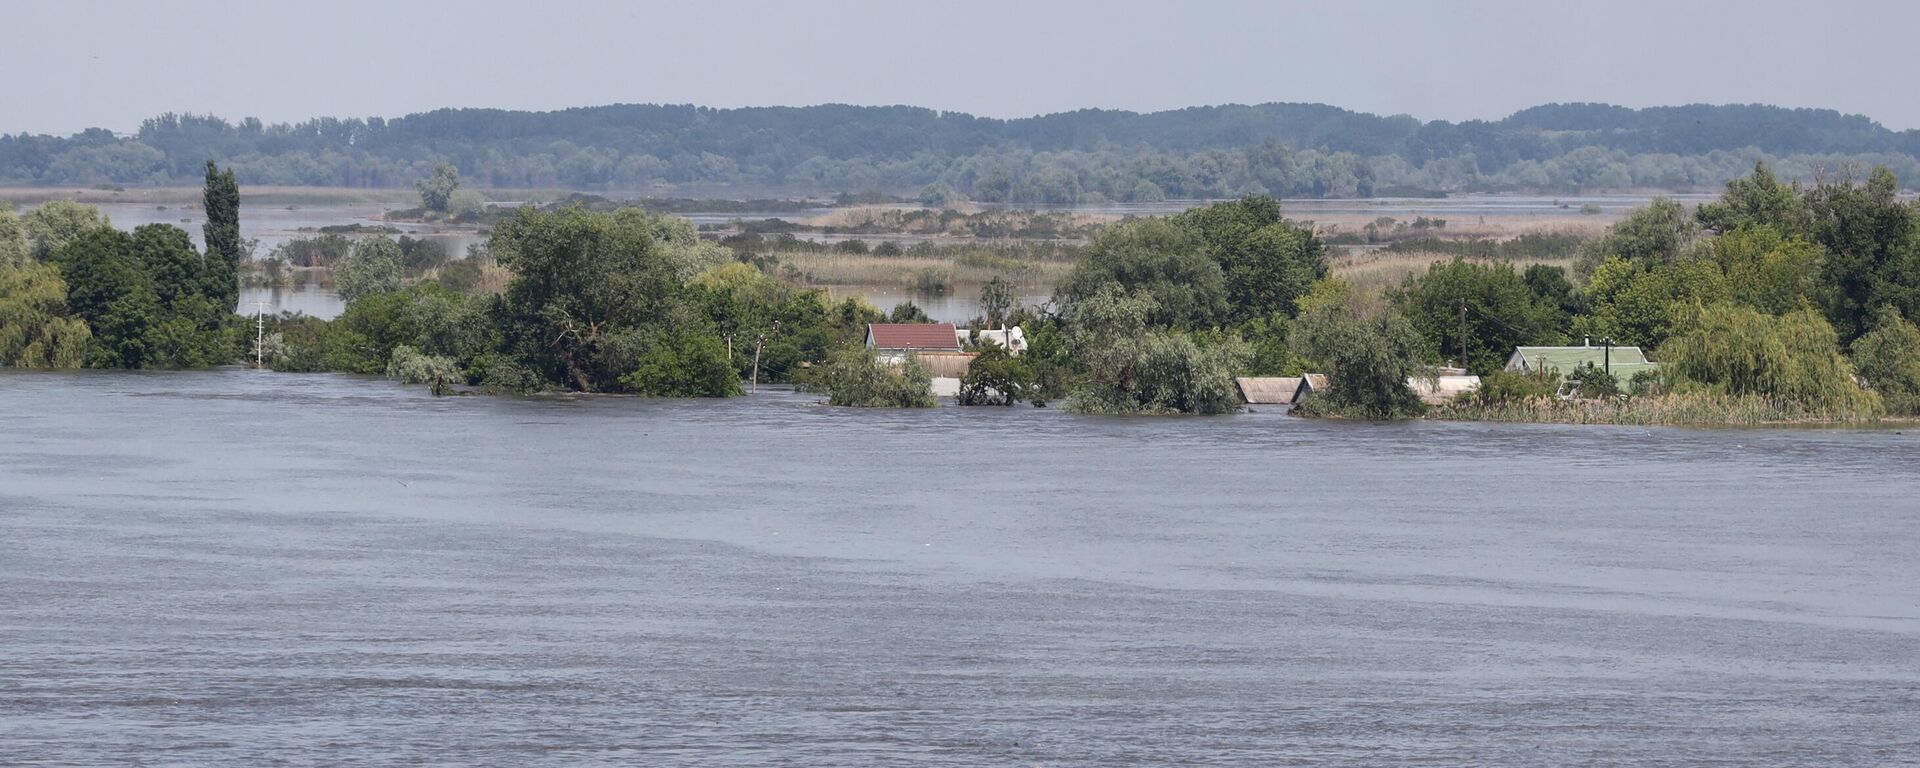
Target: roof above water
(927, 336)
(1268, 390)
(1568, 358)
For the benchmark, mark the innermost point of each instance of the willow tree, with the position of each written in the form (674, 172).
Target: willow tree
(37, 330)
(1792, 359)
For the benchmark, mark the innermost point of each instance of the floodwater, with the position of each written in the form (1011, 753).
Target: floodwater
(242, 568)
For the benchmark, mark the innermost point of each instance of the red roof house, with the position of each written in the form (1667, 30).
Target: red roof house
(919, 337)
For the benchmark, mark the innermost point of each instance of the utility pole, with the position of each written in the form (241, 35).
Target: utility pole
(259, 335)
(1606, 355)
(1463, 334)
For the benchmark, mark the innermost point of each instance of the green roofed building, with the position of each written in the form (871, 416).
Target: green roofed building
(1622, 362)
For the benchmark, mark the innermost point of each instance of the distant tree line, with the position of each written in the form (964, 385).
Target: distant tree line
(1288, 150)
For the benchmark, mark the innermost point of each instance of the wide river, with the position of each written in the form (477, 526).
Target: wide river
(246, 569)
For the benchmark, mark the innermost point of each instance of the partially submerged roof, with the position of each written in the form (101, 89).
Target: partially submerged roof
(1268, 390)
(1440, 389)
(923, 336)
(1012, 339)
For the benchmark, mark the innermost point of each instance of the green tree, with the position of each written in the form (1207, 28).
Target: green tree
(996, 297)
(37, 330)
(436, 191)
(1657, 234)
(998, 378)
(1267, 261)
(684, 364)
(1158, 259)
(1872, 250)
(1888, 357)
(578, 277)
(56, 223)
(1500, 312)
(1793, 359)
(14, 250)
(466, 204)
(1549, 285)
(853, 377)
(1368, 361)
(374, 266)
(1133, 370)
(411, 366)
(225, 252)
(1642, 305)
(1759, 200)
(1770, 272)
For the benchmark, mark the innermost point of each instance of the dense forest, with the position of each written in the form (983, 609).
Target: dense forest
(1290, 150)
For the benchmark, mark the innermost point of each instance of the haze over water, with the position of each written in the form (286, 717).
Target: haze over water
(240, 568)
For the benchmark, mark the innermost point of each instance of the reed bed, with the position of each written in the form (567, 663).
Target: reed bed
(967, 268)
(1689, 409)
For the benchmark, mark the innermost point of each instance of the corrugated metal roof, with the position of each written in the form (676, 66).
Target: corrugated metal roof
(928, 336)
(1568, 358)
(1268, 390)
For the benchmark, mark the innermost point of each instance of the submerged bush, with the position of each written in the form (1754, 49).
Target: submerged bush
(998, 378)
(1131, 370)
(854, 377)
(1367, 361)
(684, 365)
(411, 366)
(1503, 387)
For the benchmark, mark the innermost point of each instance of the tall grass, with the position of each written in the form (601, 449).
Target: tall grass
(1685, 409)
(964, 268)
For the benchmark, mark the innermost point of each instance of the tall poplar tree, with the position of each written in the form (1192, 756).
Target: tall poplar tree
(222, 233)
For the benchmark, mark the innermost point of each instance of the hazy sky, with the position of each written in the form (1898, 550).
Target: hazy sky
(74, 64)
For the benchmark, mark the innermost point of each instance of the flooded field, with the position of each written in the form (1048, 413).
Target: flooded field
(245, 568)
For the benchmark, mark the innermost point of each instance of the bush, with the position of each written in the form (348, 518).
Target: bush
(1590, 382)
(998, 378)
(1889, 359)
(410, 366)
(1367, 361)
(1131, 370)
(1503, 386)
(854, 378)
(684, 365)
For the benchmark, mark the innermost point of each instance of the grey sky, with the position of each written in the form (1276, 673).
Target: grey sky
(74, 64)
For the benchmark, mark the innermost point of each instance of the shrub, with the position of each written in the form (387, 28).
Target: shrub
(998, 378)
(1503, 386)
(1131, 370)
(854, 378)
(410, 366)
(1590, 382)
(1367, 361)
(1889, 359)
(684, 365)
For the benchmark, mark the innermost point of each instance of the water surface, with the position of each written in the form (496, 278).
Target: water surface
(241, 568)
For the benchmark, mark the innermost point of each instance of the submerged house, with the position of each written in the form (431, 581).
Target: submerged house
(1013, 340)
(892, 342)
(936, 345)
(1622, 362)
(1443, 387)
(1268, 390)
